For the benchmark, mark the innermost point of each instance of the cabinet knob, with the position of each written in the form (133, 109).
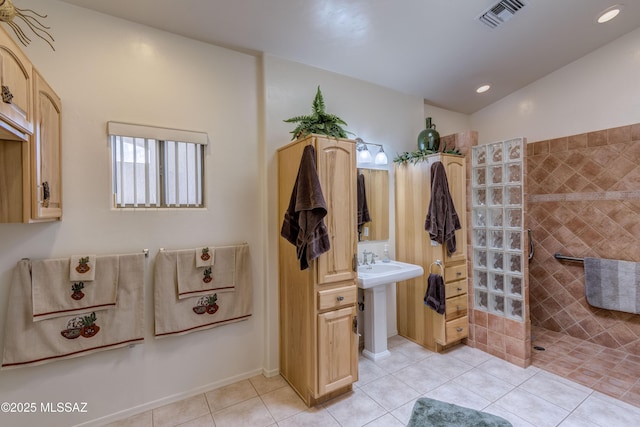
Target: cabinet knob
(458, 307)
(7, 96)
(459, 289)
(340, 298)
(459, 329)
(459, 273)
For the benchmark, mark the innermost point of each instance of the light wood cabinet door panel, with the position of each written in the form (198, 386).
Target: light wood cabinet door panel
(46, 187)
(15, 77)
(337, 350)
(337, 173)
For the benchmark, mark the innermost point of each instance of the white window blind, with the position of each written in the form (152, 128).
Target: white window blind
(156, 167)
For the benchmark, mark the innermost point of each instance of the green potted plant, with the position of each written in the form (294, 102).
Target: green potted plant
(319, 121)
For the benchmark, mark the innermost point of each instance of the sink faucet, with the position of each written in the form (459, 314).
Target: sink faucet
(364, 257)
(373, 258)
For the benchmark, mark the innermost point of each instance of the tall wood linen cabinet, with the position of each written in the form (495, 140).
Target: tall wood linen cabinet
(415, 320)
(317, 306)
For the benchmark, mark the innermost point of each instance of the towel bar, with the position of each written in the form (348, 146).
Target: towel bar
(568, 258)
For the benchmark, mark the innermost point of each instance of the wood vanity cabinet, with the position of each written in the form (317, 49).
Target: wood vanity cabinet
(30, 141)
(416, 321)
(317, 306)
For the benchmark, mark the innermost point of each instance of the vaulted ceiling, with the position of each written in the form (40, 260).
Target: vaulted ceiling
(435, 49)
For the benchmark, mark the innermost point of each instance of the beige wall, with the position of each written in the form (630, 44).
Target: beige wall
(598, 91)
(109, 69)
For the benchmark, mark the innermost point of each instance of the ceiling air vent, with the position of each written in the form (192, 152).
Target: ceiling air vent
(501, 12)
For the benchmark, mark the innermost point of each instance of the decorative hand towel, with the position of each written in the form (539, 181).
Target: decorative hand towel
(363, 208)
(201, 281)
(34, 343)
(175, 316)
(205, 257)
(435, 297)
(303, 224)
(442, 219)
(612, 284)
(82, 268)
(54, 295)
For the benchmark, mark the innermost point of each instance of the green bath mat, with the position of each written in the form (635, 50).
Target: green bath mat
(429, 412)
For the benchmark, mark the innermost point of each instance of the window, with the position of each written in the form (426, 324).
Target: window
(156, 167)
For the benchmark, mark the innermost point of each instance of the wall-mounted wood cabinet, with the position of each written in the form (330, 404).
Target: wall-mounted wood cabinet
(317, 306)
(416, 321)
(30, 140)
(16, 85)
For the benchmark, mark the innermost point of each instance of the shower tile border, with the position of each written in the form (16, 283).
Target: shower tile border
(566, 197)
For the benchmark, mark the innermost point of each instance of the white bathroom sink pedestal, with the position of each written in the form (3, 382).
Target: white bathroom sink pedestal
(374, 280)
(375, 323)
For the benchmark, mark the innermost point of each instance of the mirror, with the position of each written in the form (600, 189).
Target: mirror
(376, 190)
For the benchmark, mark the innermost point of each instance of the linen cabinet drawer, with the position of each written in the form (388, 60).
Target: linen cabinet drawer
(454, 289)
(457, 329)
(455, 272)
(456, 307)
(337, 297)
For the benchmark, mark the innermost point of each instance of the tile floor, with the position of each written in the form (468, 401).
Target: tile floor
(612, 372)
(387, 390)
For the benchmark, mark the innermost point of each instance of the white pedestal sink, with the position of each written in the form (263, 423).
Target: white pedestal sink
(374, 279)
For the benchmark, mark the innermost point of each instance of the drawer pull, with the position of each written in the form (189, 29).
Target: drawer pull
(459, 273)
(459, 307)
(459, 289)
(340, 298)
(459, 329)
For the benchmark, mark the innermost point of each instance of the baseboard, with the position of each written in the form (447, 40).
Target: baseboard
(271, 372)
(139, 409)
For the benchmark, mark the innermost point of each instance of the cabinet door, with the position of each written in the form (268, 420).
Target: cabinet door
(46, 183)
(337, 350)
(336, 163)
(456, 175)
(15, 77)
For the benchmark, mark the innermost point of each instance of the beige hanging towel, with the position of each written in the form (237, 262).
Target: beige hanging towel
(54, 295)
(200, 281)
(28, 343)
(82, 268)
(174, 316)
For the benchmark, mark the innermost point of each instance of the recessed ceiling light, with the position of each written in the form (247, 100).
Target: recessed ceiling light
(608, 14)
(482, 89)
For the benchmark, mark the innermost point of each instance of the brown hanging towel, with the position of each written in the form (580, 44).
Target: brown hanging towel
(303, 224)
(442, 219)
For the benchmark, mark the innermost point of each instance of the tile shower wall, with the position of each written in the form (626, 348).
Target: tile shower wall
(584, 200)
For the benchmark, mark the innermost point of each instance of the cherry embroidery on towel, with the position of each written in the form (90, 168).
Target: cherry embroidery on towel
(205, 254)
(81, 326)
(83, 265)
(77, 291)
(207, 304)
(207, 276)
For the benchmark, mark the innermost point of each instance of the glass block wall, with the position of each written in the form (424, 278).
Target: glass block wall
(498, 228)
